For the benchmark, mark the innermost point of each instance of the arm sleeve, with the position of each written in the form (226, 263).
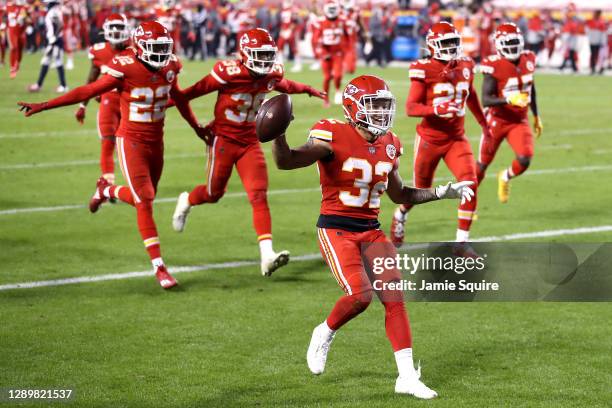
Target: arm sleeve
(182, 105)
(204, 86)
(292, 87)
(474, 105)
(415, 105)
(82, 93)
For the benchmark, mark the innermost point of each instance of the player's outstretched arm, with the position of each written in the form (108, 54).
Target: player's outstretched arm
(204, 86)
(291, 87)
(287, 158)
(401, 194)
(182, 105)
(94, 74)
(537, 121)
(474, 105)
(80, 94)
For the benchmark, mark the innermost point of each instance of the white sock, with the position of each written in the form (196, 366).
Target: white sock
(462, 236)
(157, 262)
(405, 365)
(106, 192)
(400, 215)
(325, 328)
(265, 249)
(507, 175)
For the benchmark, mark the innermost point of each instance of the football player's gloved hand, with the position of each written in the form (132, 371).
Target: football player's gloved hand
(456, 190)
(446, 110)
(205, 133)
(519, 99)
(30, 109)
(315, 92)
(538, 126)
(80, 114)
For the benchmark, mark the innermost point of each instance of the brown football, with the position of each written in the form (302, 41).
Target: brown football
(273, 117)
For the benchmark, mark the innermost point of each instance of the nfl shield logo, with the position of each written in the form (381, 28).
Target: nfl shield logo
(372, 150)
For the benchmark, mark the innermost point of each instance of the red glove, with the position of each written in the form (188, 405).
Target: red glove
(30, 109)
(80, 114)
(446, 110)
(205, 133)
(315, 92)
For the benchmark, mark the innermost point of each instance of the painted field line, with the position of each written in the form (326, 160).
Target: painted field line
(74, 163)
(299, 258)
(537, 172)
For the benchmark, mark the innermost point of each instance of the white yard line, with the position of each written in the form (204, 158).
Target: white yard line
(299, 258)
(535, 172)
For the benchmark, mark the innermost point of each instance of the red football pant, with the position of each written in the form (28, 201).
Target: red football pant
(249, 160)
(16, 39)
(350, 59)
(346, 252)
(332, 68)
(291, 42)
(141, 164)
(108, 119)
(519, 137)
(457, 154)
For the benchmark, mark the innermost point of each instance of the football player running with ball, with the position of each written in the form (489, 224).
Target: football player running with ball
(358, 161)
(117, 34)
(242, 86)
(440, 89)
(145, 77)
(508, 89)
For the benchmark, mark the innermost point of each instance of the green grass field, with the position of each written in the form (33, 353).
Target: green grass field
(229, 337)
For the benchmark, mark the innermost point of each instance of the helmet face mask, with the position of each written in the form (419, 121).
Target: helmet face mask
(331, 10)
(260, 60)
(509, 46)
(446, 48)
(116, 29)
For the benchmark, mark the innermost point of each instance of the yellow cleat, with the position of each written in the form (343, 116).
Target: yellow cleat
(503, 188)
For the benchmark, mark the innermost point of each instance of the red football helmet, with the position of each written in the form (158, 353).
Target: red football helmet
(443, 41)
(258, 51)
(153, 43)
(509, 41)
(116, 29)
(331, 9)
(368, 103)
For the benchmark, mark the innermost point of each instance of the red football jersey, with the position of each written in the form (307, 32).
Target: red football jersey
(100, 55)
(330, 34)
(288, 23)
(445, 83)
(355, 177)
(352, 24)
(239, 99)
(144, 95)
(511, 78)
(16, 16)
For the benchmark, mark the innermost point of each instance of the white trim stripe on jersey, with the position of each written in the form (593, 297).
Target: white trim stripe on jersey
(336, 262)
(417, 142)
(211, 166)
(327, 258)
(321, 134)
(218, 78)
(98, 124)
(416, 73)
(124, 167)
(112, 72)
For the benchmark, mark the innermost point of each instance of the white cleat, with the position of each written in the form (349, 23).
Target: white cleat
(315, 66)
(338, 97)
(69, 64)
(413, 386)
(269, 265)
(61, 89)
(296, 68)
(316, 356)
(180, 213)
